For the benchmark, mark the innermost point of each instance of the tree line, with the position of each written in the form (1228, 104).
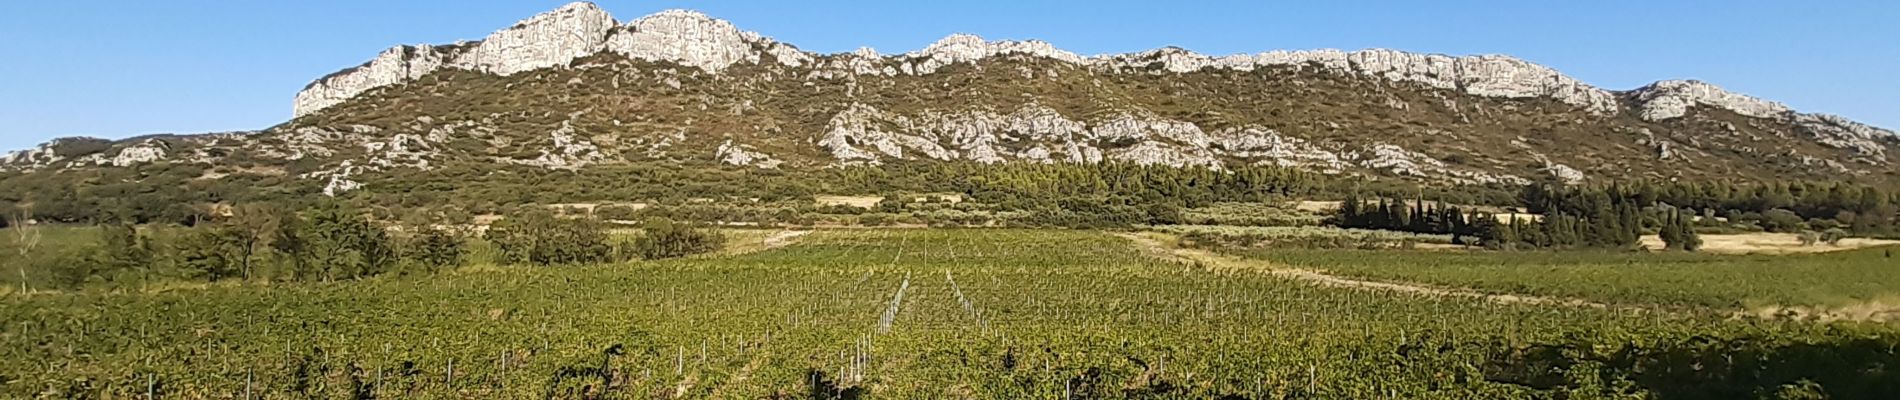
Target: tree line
(329, 241)
(1615, 215)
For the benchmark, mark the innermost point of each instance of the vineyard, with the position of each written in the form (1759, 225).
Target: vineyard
(916, 313)
(1678, 280)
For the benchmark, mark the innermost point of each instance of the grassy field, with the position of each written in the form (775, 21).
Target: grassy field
(893, 314)
(1832, 280)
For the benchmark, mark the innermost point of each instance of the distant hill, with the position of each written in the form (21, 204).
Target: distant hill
(574, 89)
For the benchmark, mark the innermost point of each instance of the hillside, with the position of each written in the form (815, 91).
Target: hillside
(573, 89)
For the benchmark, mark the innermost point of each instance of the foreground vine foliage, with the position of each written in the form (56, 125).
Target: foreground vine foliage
(903, 314)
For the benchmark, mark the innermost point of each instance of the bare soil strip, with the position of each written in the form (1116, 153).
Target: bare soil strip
(1227, 263)
(782, 239)
(751, 245)
(1873, 311)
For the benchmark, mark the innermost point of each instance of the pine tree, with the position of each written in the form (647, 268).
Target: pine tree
(1691, 241)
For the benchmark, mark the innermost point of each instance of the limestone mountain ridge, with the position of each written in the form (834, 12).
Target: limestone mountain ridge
(574, 87)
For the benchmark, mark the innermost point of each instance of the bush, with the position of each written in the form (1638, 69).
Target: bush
(662, 238)
(433, 248)
(538, 237)
(620, 212)
(1809, 238)
(1833, 236)
(208, 253)
(1780, 220)
(121, 250)
(342, 243)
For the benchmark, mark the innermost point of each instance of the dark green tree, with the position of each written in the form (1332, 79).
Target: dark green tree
(340, 243)
(662, 238)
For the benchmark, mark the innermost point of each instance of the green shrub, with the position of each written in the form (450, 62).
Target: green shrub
(662, 238)
(434, 248)
(538, 237)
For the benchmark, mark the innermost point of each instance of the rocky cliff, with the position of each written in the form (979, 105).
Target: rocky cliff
(573, 87)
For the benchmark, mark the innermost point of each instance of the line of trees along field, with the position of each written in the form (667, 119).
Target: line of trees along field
(1615, 216)
(1101, 195)
(326, 242)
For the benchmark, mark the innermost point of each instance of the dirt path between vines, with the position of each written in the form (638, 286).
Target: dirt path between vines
(754, 244)
(1155, 245)
(782, 239)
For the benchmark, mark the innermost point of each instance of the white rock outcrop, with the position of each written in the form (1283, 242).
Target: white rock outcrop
(554, 39)
(1672, 98)
(963, 48)
(694, 39)
(1399, 161)
(37, 157)
(141, 153)
(745, 155)
(1839, 132)
(862, 134)
(550, 39)
(567, 151)
(337, 180)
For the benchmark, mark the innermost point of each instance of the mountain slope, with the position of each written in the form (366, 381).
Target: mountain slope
(574, 89)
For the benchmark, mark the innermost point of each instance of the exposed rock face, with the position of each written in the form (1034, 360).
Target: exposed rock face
(567, 152)
(1564, 173)
(1381, 112)
(1486, 75)
(960, 48)
(554, 39)
(551, 39)
(1398, 160)
(558, 37)
(690, 38)
(694, 39)
(396, 65)
(144, 152)
(337, 180)
(732, 154)
(34, 158)
(1671, 99)
(1838, 132)
(1034, 133)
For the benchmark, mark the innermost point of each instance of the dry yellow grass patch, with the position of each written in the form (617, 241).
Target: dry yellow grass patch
(1317, 206)
(1768, 243)
(854, 201)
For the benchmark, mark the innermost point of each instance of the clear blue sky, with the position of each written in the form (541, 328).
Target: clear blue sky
(121, 68)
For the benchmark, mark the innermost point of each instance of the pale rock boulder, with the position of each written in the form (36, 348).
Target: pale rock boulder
(744, 155)
(337, 180)
(1564, 173)
(568, 150)
(400, 150)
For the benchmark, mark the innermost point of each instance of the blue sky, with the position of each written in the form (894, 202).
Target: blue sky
(122, 68)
